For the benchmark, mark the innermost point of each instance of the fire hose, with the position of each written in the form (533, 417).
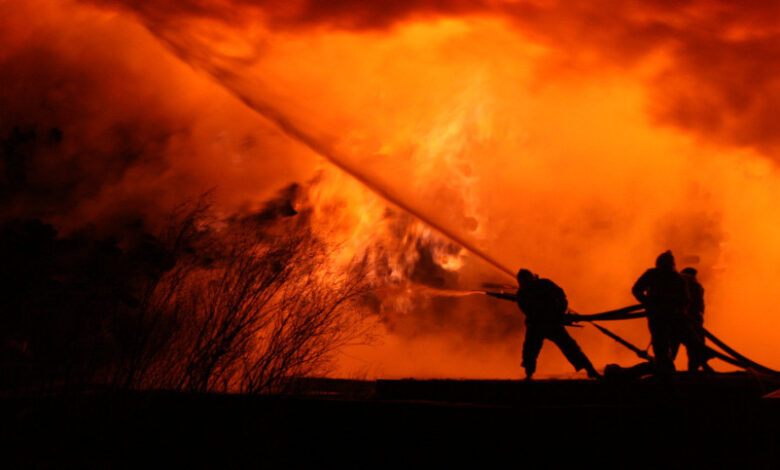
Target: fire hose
(728, 355)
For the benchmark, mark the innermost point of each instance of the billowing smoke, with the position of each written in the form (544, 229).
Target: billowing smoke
(576, 140)
(701, 54)
(98, 121)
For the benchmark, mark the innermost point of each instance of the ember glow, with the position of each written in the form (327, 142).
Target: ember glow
(577, 141)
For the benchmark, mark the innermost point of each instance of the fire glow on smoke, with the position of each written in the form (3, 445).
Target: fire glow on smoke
(577, 141)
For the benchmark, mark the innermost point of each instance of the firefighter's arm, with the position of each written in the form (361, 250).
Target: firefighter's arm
(502, 295)
(570, 318)
(639, 288)
(701, 297)
(563, 300)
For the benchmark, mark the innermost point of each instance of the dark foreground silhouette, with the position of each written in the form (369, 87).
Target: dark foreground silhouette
(718, 421)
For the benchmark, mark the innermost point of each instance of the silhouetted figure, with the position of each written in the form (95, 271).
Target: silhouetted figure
(688, 330)
(544, 305)
(695, 295)
(663, 293)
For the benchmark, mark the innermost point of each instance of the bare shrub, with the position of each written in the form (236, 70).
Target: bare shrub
(153, 326)
(245, 305)
(246, 308)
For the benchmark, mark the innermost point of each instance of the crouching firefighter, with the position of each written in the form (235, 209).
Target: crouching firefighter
(544, 305)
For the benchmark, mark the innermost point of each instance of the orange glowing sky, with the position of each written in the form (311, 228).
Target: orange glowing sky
(576, 140)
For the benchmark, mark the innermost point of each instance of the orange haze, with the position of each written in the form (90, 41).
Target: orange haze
(576, 141)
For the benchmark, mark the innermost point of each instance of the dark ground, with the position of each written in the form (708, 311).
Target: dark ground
(715, 422)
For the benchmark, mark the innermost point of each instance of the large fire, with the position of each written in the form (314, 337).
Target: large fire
(454, 144)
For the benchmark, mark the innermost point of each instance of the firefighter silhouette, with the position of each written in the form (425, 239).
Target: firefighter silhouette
(544, 304)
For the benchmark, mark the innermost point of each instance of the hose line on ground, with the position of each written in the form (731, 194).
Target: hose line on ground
(728, 355)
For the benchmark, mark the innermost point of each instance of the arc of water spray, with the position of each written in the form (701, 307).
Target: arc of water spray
(228, 80)
(386, 193)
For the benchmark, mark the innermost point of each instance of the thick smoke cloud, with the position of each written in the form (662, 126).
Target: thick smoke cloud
(302, 14)
(715, 61)
(98, 123)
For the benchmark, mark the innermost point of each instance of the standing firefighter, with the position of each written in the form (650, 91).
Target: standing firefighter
(544, 305)
(663, 293)
(689, 330)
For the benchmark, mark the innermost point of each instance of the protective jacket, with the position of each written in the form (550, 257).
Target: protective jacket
(543, 302)
(661, 289)
(695, 299)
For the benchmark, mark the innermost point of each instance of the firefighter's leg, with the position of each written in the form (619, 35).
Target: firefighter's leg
(693, 358)
(697, 352)
(572, 351)
(531, 347)
(706, 355)
(660, 331)
(675, 340)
